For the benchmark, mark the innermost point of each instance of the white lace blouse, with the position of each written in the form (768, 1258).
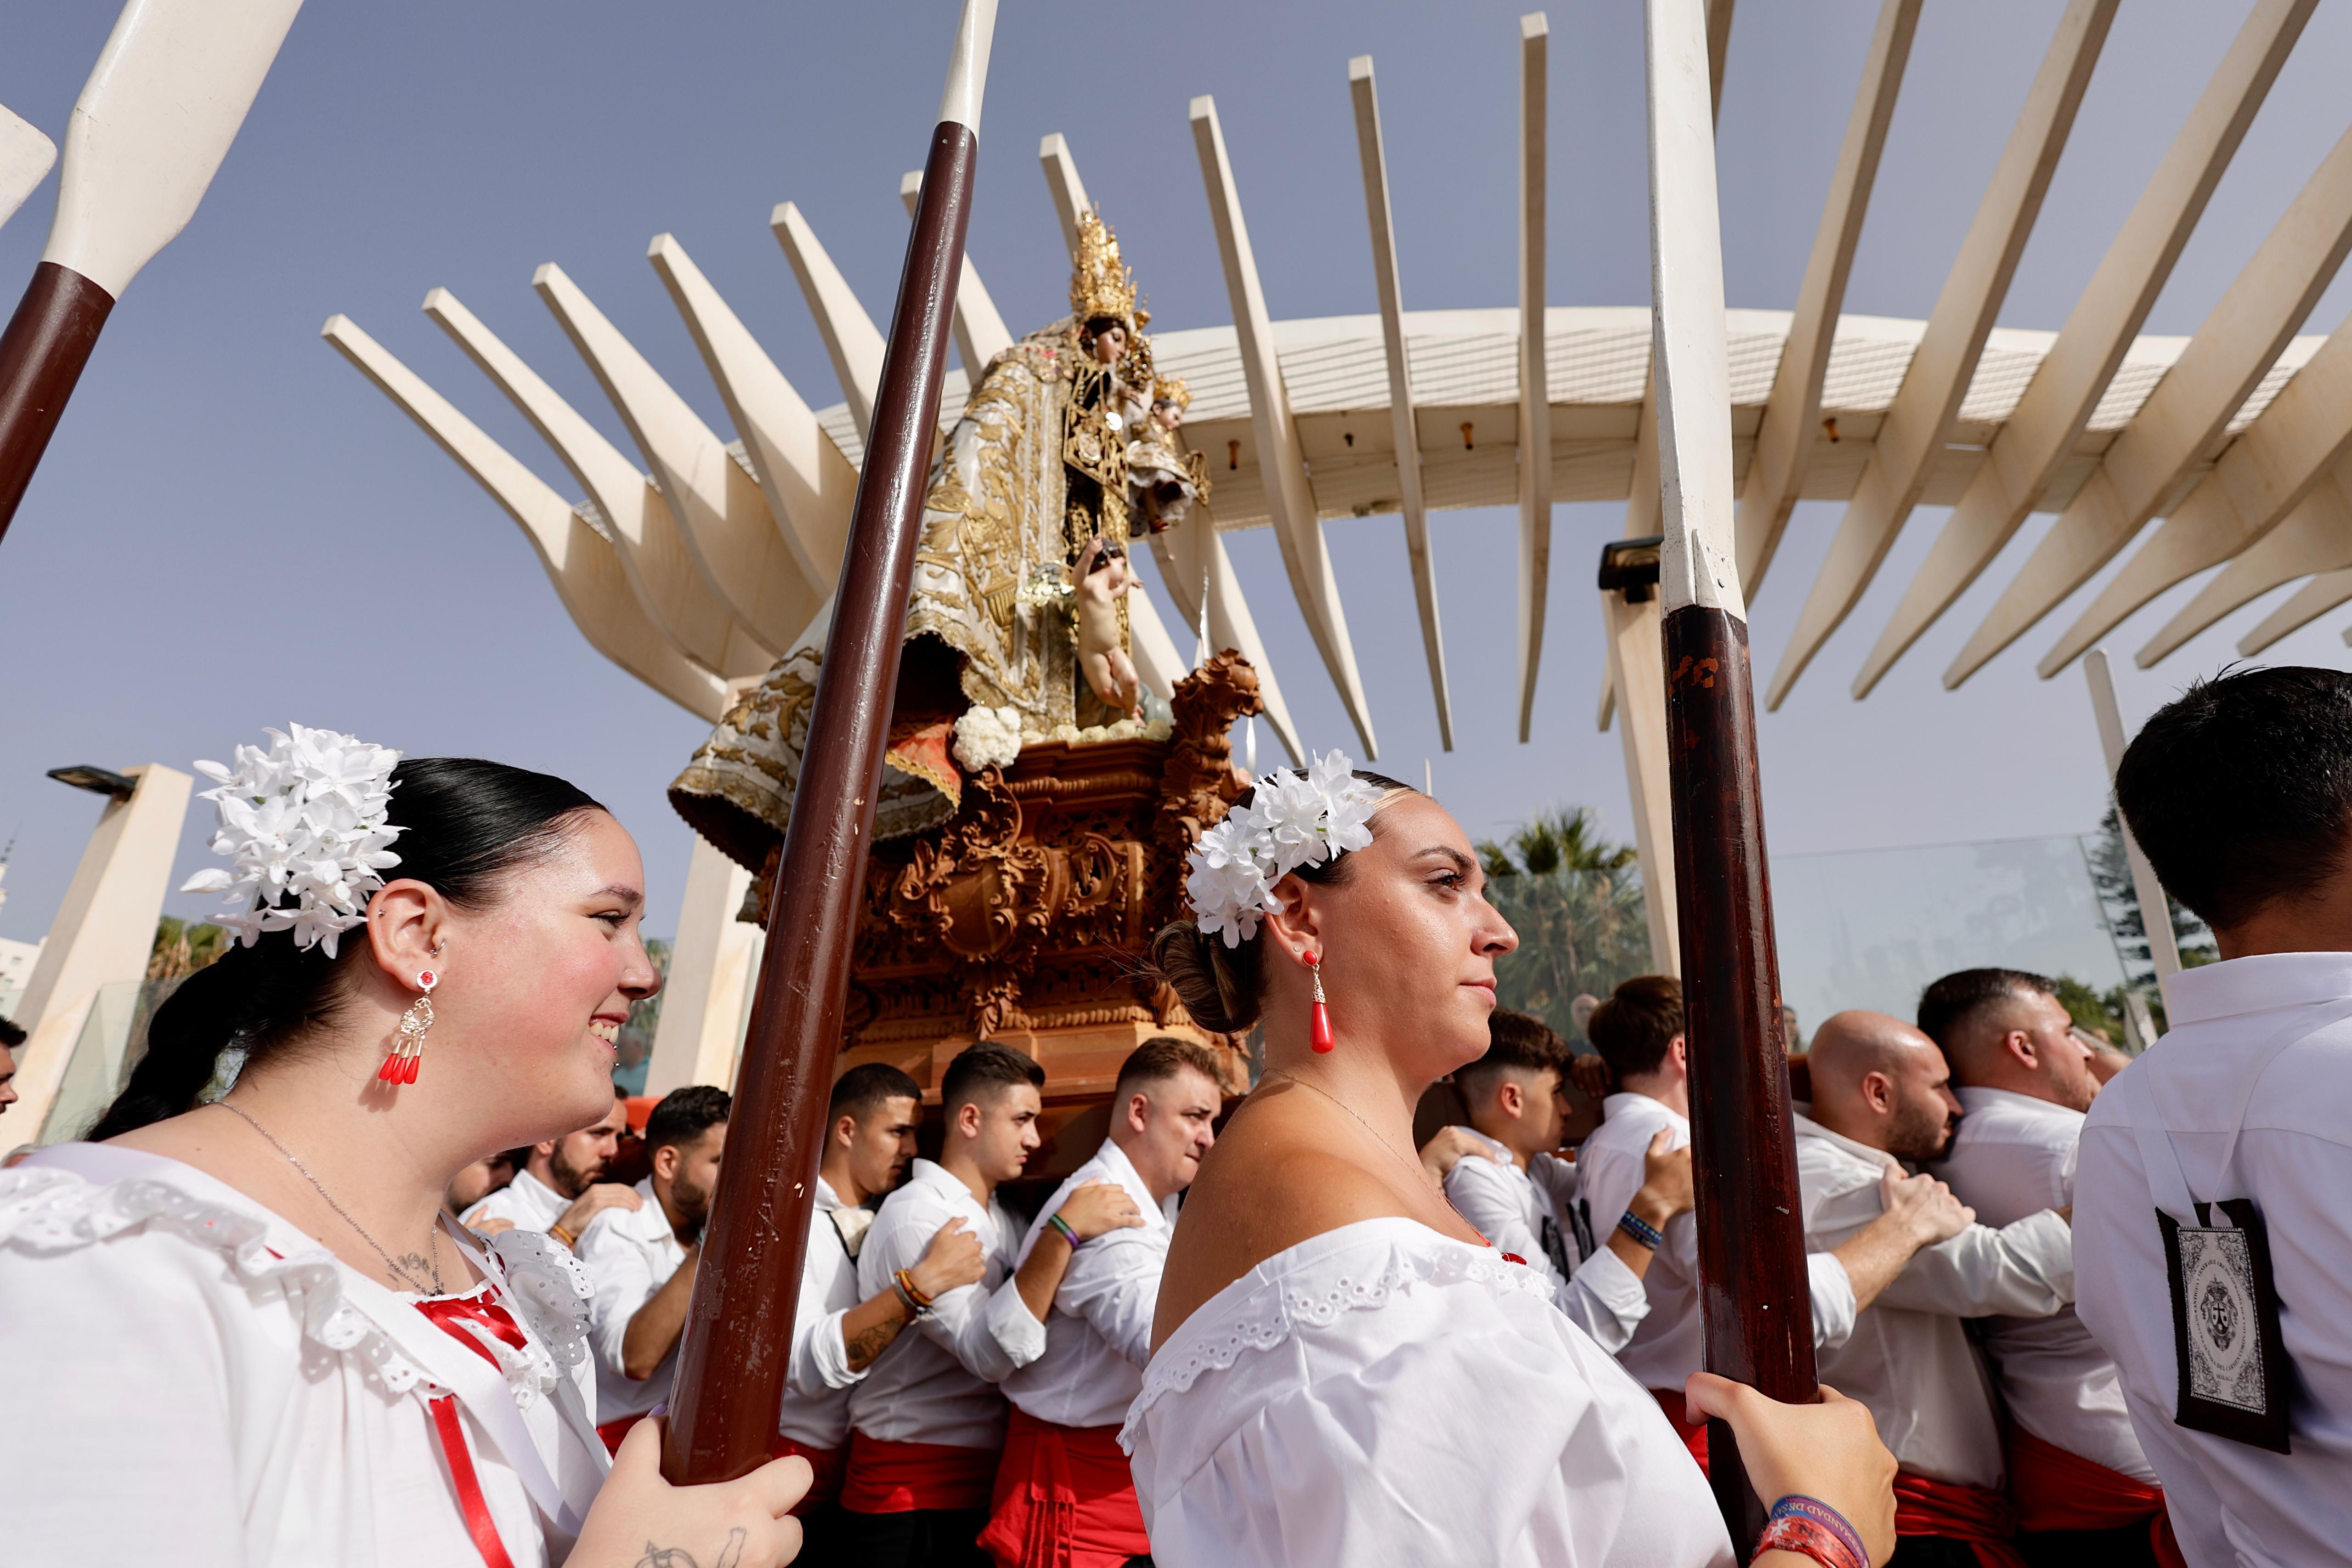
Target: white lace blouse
(191, 1380)
(1383, 1396)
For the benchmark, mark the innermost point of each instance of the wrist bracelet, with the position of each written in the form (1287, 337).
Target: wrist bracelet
(1642, 1230)
(569, 1241)
(899, 1289)
(905, 1280)
(1059, 1223)
(1812, 1527)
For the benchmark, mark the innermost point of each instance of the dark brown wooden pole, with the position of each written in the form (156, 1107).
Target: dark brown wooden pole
(1755, 1305)
(47, 342)
(739, 1330)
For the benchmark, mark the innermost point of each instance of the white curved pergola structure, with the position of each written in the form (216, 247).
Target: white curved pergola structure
(694, 561)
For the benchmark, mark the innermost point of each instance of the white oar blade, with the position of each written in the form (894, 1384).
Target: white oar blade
(156, 118)
(25, 158)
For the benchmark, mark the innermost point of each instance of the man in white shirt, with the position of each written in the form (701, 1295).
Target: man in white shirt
(1064, 1493)
(1639, 1031)
(556, 1188)
(1523, 1198)
(1882, 1096)
(642, 1259)
(927, 1423)
(874, 1112)
(2084, 1491)
(2239, 793)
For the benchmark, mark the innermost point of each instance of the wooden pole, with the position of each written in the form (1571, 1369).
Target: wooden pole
(167, 97)
(739, 1330)
(2154, 910)
(1751, 1241)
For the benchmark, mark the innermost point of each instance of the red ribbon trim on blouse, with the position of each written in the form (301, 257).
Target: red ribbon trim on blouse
(451, 1314)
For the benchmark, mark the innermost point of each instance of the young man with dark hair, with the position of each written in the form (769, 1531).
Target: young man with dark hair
(558, 1186)
(869, 1139)
(1639, 1031)
(1881, 1098)
(927, 1424)
(1064, 1493)
(2023, 1077)
(642, 1258)
(2221, 1152)
(1523, 1197)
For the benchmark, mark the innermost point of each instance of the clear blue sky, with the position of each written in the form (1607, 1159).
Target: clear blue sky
(233, 529)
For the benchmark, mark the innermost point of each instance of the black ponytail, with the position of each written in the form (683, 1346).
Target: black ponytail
(466, 824)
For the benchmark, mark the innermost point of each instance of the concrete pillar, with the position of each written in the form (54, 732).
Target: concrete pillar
(1637, 675)
(102, 933)
(712, 970)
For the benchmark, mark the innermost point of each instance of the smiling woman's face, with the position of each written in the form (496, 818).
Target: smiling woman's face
(1409, 941)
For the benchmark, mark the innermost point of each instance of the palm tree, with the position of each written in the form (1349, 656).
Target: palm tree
(1575, 899)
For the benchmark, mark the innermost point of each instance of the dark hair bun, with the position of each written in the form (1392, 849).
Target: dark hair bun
(1218, 984)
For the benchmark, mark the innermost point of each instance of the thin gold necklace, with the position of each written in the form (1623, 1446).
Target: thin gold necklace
(1419, 1169)
(432, 1239)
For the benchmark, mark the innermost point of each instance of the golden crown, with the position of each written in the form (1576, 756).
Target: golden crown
(1171, 389)
(1099, 284)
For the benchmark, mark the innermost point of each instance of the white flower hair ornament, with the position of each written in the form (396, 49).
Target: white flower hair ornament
(1295, 819)
(305, 821)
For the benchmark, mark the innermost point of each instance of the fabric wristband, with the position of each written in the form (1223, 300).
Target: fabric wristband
(1640, 1230)
(558, 1232)
(1812, 1527)
(1059, 1223)
(917, 1305)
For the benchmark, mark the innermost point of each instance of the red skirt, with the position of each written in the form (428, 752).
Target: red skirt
(2057, 1489)
(1064, 1498)
(1692, 1433)
(1982, 1520)
(827, 1464)
(883, 1477)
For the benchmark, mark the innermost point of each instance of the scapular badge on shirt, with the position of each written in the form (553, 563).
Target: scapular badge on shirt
(851, 1222)
(2225, 1326)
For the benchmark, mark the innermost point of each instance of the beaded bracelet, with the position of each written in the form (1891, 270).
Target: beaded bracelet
(1059, 1223)
(1640, 1230)
(1812, 1527)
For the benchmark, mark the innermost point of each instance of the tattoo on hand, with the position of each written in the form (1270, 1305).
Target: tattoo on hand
(729, 1555)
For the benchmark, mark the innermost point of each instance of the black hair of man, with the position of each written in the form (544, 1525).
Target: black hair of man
(867, 1087)
(685, 1115)
(2240, 790)
(1516, 1041)
(1160, 1058)
(11, 1036)
(1952, 1002)
(985, 1071)
(1634, 1027)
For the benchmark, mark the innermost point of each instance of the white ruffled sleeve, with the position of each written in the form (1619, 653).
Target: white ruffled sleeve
(120, 1391)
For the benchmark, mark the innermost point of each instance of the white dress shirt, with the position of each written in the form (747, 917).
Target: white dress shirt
(936, 1383)
(630, 1253)
(1385, 1396)
(2014, 1156)
(195, 1381)
(2232, 1503)
(526, 1203)
(816, 1388)
(1526, 1213)
(1665, 1347)
(1909, 1357)
(1099, 1334)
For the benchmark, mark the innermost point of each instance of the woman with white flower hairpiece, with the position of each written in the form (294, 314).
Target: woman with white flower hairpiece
(237, 1328)
(1344, 1372)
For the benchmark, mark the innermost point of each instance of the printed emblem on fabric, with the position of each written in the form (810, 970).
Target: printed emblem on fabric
(2233, 1363)
(2225, 1361)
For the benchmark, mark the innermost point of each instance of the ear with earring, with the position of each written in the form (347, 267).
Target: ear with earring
(408, 1051)
(1319, 1030)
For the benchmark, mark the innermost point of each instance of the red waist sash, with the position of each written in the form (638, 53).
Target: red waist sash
(1692, 1433)
(613, 1431)
(1064, 1498)
(883, 1477)
(2058, 1490)
(1982, 1520)
(826, 1462)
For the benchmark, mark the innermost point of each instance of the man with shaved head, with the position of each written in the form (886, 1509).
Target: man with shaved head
(2084, 1488)
(1882, 1101)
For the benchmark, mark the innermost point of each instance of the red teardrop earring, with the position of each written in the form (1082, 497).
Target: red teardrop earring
(1319, 1031)
(408, 1051)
